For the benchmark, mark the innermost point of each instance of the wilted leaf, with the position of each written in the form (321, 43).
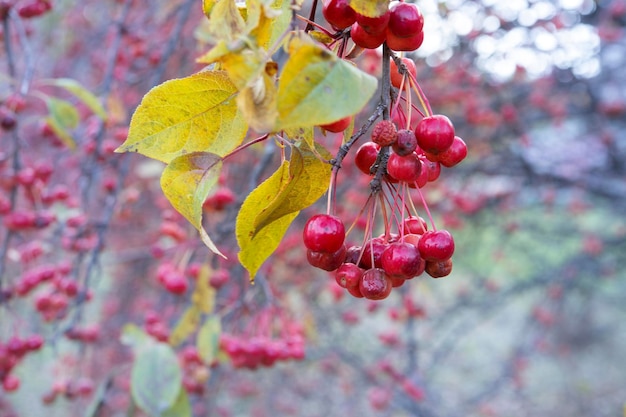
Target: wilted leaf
(244, 67)
(226, 20)
(186, 182)
(208, 339)
(258, 104)
(187, 324)
(316, 87)
(370, 8)
(84, 95)
(308, 180)
(156, 379)
(270, 28)
(256, 246)
(193, 114)
(181, 408)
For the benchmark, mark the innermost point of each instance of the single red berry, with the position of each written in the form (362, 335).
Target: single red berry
(326, 260)
(366, 156)
(372, 252)
(338, 126)
(375, 284)
(439, 269)
(355, 291)
(436, 245)
(404, 44)
(10, 383)
(374, 25)
(434, 133)
(324, 233)
(338, 13)
(219, 278)
(432, 167)
(394, 73)
(175, 282)
(454, 154)
(405, 19)
(401, 259)
(384, 133)
(366, 40)
(406, 143)
(404, 168)
(7, 119)
(348, 275)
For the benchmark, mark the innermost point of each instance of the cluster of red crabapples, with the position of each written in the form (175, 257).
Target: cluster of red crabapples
(411, 159)
(400, 27)
(11, 353)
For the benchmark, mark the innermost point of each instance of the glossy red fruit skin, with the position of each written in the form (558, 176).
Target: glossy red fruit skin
(414, 225)
(338, 126)
(401, 260)
(324, 233)
(348, 275)
(339, 13)
(434, 134)
(375, 284)
(454, 154)
(406, 142)
(374, 25)
(326, 260)
(396, 77)
(405, 19)
(405, 44)
(376, 246)
(436, 245)
(404, 168)
(366, 156)
(366, 40)
(439, 269)
(433, 168)
(355, 291)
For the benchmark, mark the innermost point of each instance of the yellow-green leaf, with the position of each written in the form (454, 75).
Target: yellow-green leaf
(244, 67)
(61, 132)
(308, 180)
(134, 337)
(273, 23)
(63, 111)
(187, 324)
(204, 295)
(306, 134)
(256, 246)
(370, 8)
(193, 114)
(181, 408)
(316, 87)
(208, 339)
(207, 6)
(84, 95)
(186, 182)
(156, 379)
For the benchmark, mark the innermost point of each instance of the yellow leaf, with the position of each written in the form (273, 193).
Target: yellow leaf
(84, 95)
(204, 295)
(186, 182)
(316, 87)
(308, 180)
(208, 339)
(193, 114)
(61, 132)
(256, 246)
(370, 8)
(258, 104)
(187, 324)
(207, 6)
(306, 134)
(245, 67)
(273, 23)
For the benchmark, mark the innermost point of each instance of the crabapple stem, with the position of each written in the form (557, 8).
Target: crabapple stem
(311, 20)
(430, 217)
(246, 145)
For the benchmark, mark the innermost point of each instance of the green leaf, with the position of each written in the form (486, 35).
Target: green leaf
(135, 338)
(370, 8)
(84, 95)
(186, 182)
(181, 408)
(316, 87)
(187, 324)
(208, 339)
(63, 117)
(193, 114)
(256, 246)
(156, 379)
(204, 295)
(308, 180)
